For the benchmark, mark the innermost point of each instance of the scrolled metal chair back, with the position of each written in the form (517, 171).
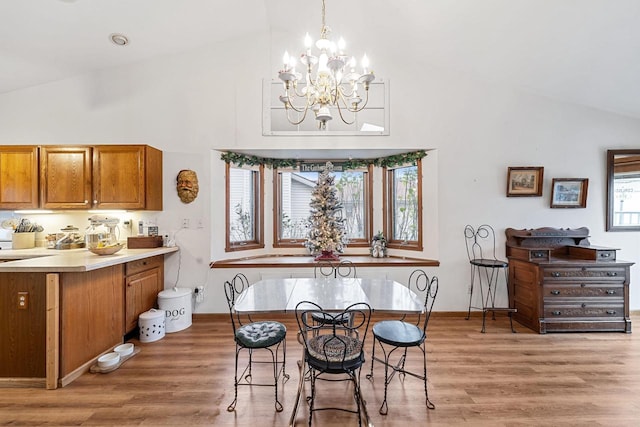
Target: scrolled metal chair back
(233, 288)
(351, 322)
(480, 242)
(324, 269)
(420, 283)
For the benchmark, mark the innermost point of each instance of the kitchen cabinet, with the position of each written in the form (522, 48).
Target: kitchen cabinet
(18, 177)
(559, 282)
(91, 316)
(144, 280)
(65, 176)
(101, 177)
(61, 311)
(127, 177)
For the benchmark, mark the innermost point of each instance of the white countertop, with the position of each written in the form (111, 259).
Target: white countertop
(69, 260)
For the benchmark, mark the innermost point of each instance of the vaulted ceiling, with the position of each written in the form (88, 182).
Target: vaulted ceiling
(580, 51)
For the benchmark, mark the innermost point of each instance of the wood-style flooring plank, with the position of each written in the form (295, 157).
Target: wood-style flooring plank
(496, 379)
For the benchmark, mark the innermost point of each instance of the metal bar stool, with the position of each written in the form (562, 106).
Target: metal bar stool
(486, 271)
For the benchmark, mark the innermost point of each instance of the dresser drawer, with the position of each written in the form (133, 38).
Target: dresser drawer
(584, 310)
(144, 264)
(552, 291)
(585, 274)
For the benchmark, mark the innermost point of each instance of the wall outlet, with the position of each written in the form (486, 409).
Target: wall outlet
(23, 300)
(185, 222)
(199, 291)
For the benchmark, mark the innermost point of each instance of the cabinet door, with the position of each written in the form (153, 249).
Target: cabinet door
(119, 177)
(18, 177)
(65, 176)
(141, 295)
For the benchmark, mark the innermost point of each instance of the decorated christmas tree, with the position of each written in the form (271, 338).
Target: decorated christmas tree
(326, 225)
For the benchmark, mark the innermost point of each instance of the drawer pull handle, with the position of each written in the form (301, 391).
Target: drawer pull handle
(605, 255)
(555, 274)
(556, 313)
(611, 312)
(584, 305)
(612, 273)
(611, 292)
(555, 292)
(582, 285)
(538, 255)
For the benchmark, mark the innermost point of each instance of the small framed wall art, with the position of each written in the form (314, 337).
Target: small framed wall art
(524, 181)
(569, 192)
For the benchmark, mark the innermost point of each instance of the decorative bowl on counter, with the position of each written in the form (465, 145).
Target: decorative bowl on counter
(106, 250)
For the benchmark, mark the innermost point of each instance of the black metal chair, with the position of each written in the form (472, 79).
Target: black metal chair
(328, 269)
(391, 335)
(486, 270)
(251, 336)
(327, 352)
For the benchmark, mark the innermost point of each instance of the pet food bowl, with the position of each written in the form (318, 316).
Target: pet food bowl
(108, 360)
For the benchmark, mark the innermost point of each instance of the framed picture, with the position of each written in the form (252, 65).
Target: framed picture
(569, 192)
(525, 181)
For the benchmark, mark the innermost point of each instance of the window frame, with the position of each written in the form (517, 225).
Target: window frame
(388, 217)
(258, 208)
(297, 243)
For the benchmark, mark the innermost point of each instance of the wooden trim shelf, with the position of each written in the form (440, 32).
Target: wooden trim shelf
(295, 261)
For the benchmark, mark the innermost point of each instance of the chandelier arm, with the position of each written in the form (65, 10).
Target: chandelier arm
(298, 109)
(304, 116)
(342, 116)
(366, 100)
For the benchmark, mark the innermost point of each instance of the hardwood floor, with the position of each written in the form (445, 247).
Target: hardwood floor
(492, 379)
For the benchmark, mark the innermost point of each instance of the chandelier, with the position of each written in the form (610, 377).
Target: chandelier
(330, 80)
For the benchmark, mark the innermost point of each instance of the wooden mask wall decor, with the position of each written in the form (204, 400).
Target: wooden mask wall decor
(187, 185)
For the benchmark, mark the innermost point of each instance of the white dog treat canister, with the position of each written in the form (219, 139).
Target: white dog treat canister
(176, 303)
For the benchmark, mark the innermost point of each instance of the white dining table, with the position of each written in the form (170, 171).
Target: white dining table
(332, 294)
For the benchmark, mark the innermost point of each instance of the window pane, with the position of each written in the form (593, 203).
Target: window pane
(241, 205)
(405, 203)
(295, 196)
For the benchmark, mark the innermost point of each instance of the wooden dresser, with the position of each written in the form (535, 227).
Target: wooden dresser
(558, 282)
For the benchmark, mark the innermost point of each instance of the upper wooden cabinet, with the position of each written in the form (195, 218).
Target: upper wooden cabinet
(127, 177)
(18, 177)
(65, 176)
(101, 177)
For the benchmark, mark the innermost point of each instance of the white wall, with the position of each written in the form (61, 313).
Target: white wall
(192, 104)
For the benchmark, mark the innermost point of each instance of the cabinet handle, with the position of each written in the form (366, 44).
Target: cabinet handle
(95, 201)
(610, 292)
(584, 305)
(612, 273)
(555, 274)
(556, 313)
(611, 312)
(555, 292)
(605, 255)
(86, 201)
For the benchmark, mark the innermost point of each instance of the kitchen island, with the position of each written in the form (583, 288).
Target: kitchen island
(61, 309)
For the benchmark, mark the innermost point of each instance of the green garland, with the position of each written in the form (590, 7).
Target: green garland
(389, 161)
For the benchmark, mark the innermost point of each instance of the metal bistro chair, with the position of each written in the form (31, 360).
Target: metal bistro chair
(486, 269)
(327, 352)
(251, 336)
(328, 269)
(391, 335)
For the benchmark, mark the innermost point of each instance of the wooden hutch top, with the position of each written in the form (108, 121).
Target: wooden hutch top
(546, 243)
